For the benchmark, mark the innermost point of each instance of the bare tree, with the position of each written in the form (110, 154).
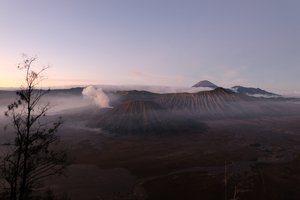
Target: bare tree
(31, 156)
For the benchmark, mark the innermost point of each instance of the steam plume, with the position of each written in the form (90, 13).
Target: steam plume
(97, 94)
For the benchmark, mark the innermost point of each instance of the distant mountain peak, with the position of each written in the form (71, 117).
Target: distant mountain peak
(250, 91)
(205, 83)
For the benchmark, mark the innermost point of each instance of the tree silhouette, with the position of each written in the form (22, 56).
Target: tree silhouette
(30, 157)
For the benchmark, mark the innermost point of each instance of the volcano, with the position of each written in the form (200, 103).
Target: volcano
(205, 84)
(146, 117)
(142, 112)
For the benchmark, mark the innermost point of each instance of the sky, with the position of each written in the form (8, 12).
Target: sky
(154, 42)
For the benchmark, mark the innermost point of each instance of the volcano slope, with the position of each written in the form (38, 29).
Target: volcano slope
(146, 117)
(142, 112)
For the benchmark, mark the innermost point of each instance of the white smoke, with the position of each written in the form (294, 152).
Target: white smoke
(97, 94)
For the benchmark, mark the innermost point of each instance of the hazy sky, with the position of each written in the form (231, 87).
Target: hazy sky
(162, 42)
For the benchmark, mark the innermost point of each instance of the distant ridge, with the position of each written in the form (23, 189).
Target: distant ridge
(253, 91)
(205, 83)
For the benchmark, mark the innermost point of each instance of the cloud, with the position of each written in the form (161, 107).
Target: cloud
(295, 93)
(141, 77)
(97, 94)
(231, 77)
(154, 89)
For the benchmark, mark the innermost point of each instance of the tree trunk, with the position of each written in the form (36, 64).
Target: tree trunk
(23, 188)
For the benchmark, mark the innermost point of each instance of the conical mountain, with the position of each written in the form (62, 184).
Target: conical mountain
(146, 117)
(205, 83)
